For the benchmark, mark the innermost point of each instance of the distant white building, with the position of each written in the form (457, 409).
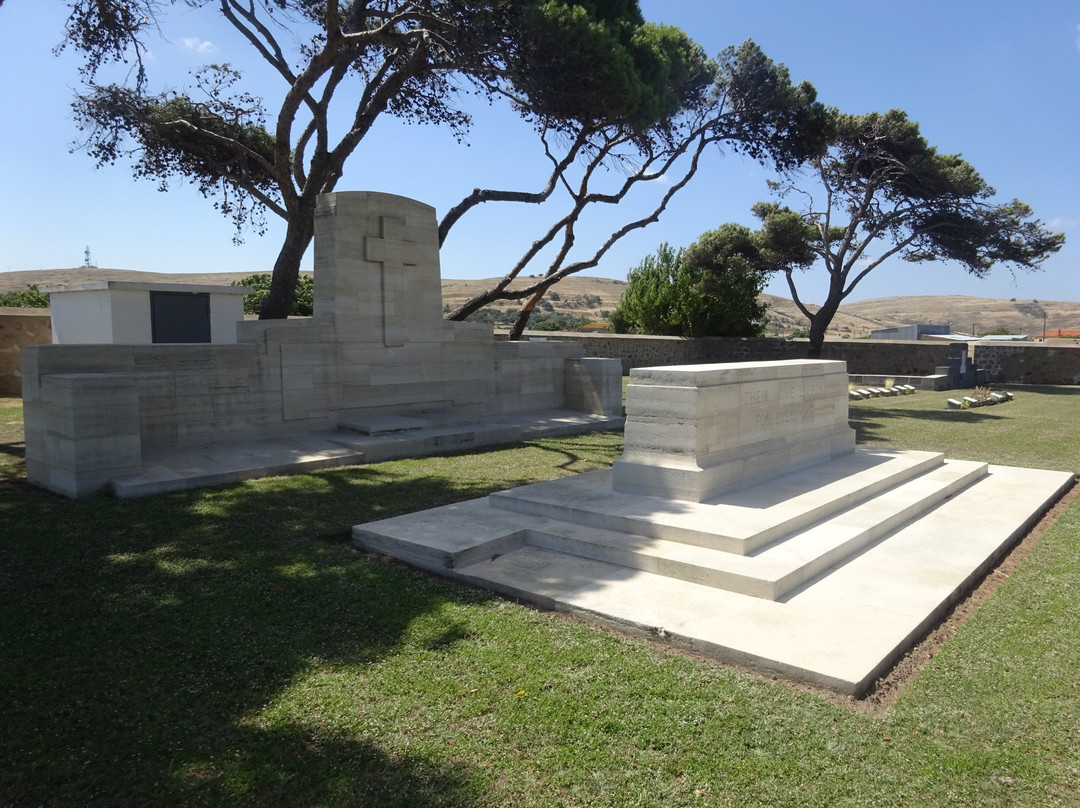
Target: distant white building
(134, 313)
(911, 333)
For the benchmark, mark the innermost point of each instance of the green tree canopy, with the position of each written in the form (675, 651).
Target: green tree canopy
(710, 289)
(303, 302)
(881, 185)
(569, 66)
(752, 108)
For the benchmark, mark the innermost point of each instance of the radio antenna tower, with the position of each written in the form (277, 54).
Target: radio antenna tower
(88, 264)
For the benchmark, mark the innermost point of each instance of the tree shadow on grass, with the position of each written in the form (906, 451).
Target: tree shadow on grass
(12, 462)
(12, 456)
(575, 458)
(1041, 389)
(141, 637)
(296, 767)
(12, 452)
(868, 423)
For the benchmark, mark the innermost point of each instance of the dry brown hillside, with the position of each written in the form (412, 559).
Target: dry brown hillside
(967, 314)
(593, 298)
(577, 296)
(15, 281)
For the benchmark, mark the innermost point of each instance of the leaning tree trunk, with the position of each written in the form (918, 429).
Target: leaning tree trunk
(524, 315)
(819, 323)
(298, 235)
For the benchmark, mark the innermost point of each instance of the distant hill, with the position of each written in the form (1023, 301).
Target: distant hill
(971, 313)
(15, 281)
(966, 315)
(595, 298)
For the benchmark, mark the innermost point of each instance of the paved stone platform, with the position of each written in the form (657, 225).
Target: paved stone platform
(742, 521)
(367, 441)
(826, 575)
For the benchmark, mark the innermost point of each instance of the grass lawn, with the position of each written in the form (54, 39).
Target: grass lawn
(228, 647)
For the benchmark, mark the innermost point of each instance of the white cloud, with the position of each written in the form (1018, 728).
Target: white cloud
(197, 45)
(1062, 223)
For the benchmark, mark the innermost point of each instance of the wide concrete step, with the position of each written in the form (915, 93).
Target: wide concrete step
(421, 441)
(231, 462)
(740, 522)
(389, 438)
(839, 630)
(777, 570)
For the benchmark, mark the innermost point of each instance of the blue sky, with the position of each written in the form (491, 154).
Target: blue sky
(995, 81)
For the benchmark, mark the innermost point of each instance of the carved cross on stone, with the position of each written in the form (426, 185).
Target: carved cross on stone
(395, 254)
(377, 268)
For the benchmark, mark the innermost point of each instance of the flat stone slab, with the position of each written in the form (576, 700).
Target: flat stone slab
(738, 522)
(222, 463)
(382, 424)
(840, 630)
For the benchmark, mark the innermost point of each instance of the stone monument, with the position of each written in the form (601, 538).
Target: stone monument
(697, 430)
(375, 373)
(742, 521)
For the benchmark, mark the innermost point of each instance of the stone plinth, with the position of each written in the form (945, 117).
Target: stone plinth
(82, 429)
(695, 431)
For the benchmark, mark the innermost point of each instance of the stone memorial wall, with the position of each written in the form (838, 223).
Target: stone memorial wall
(1029, 363)
(377, 345)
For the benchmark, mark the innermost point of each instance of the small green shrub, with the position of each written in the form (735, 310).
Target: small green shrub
(28, 298)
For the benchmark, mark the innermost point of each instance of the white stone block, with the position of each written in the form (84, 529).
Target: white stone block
(698, 430)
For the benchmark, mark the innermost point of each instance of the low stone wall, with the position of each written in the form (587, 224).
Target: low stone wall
(377, 345)
(939, 381)
(95, 412)
(889, 357)
(1028, 363)
(18, 328)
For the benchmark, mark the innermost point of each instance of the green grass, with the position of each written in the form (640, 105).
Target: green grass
(228, 647)
(1036, 430)
(11, 438)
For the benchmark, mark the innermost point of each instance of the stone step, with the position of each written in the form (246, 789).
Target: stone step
(740, 522)
(841, 630)
(232, 462)
(777, 570)
(440, 434)
(382, 424)
(425, 441)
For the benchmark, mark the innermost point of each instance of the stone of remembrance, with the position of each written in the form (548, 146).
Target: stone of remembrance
(743, 522)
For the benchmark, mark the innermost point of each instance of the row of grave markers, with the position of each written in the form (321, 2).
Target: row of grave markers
(967, 401)
(876, 392)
